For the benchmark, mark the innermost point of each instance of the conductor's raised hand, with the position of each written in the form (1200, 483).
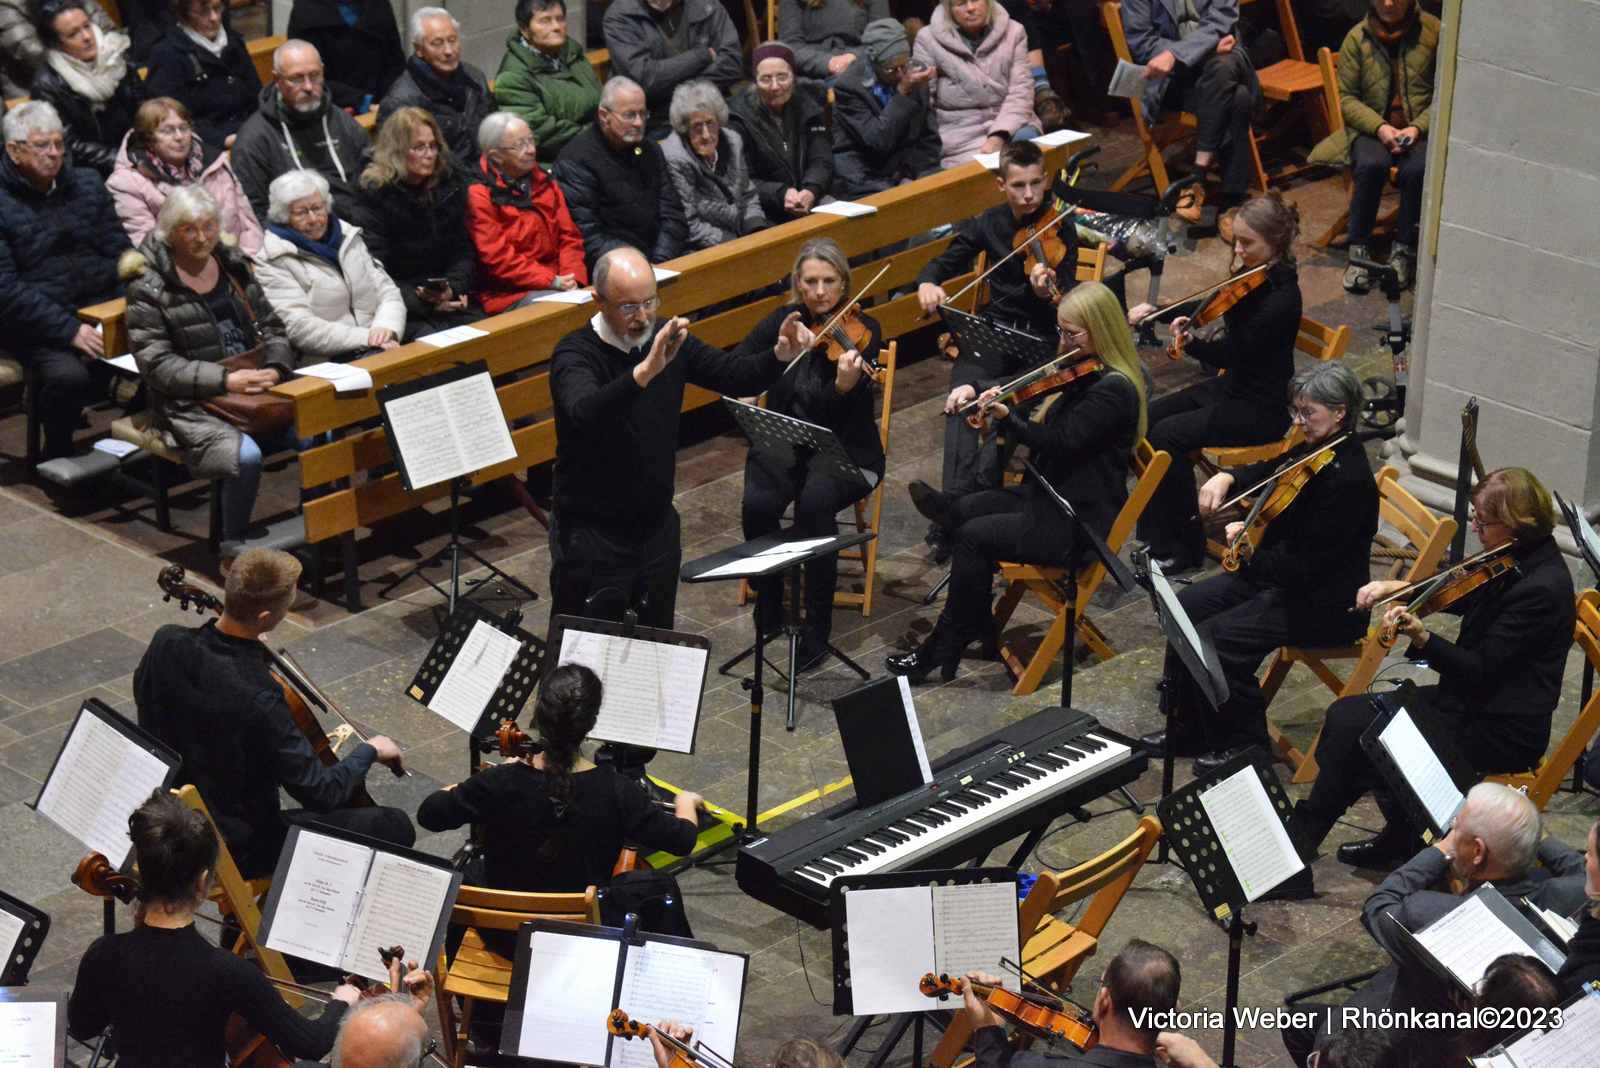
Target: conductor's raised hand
(669, 339)
(978, 1010)
(794, 338)
(674, 1029)
(1214, 491)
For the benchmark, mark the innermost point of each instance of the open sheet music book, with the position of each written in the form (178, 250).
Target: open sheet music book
(1253, 837)
(1573, 1044)
(337, 897)
(446, 426)
(1461, 944)
(33, 1028)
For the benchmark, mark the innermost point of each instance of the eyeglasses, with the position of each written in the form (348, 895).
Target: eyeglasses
(1478, 521)
(1303, 413)
(312, 78)
(1071, 331)
(180, 130)
(705, 126)
(631, 308)
(774, 81)
(628, 116)
(308, 211)
(527, 144)
(44, 148)
(429, 1048)
(429, 149)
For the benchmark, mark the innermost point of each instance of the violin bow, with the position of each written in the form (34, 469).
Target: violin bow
(301, 679)
(1202, 293)
(1301, 462)
(1052, 224)
(846, 306)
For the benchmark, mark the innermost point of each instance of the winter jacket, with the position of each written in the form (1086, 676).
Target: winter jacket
(791, 151)
(523, 240)
(21, 51)
(92, 136)
(417, 233)
(621, 198)
(817, 34)
(458, 104)
(328, 310)
(139, 191)
(58, 252)
(219, 91)
(277, 139)
(718, 205)
(178, 347)
(1152, 28)
(640, 50)
(876, 144)
(362, 60)
(978, 90)
(555, 95)
(1365, 85)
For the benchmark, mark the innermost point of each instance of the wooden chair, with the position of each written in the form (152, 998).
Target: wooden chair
(1543, 781)
(868, 554)
(478, 973)
(1178, 129)
(1047, 583)
(1429, 535)
(1338, 232)
(1294, 80)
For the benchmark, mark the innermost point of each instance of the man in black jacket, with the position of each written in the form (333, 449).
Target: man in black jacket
(882, 129)
(208, 694)
(661, 44)
(617, 388)
(617, 185)
(364, 55)
(437, 80)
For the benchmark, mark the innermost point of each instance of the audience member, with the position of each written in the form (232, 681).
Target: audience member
(361, 42)
(162, 153)
(1583, 952)
(785, 134)
(883, 131)
(412, 210)
(617, 184)
(982, 91)
(526, 241)
(437, 80)
(826, 34)
(296, 125)
(87, 79)
(1047, 29)
(198, 61)
(59, 239)
(21, 52)
(545, 79)
(663, 43)
(334, 299)
(194, 303)
(707, 162)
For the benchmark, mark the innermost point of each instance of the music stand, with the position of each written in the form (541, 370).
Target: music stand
(32, 925)
(994, 345)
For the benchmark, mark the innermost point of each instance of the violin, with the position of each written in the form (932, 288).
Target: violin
(1447, 587)
(1219, 303)
(846, 331)
(1042, 245)
(1052, 375)
(1288, 484)
(683, 1055)
(1022, 244)
(1062, 1021)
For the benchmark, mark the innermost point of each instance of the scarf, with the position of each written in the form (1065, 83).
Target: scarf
(214, 45)
(504, 189)
(186, 173)
(452, 89)
(97, 81)
(1389, 39)
(1388, 36)
(327, 248)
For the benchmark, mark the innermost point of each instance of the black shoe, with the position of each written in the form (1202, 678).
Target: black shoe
(1184, 743)
(1298, 887)
(930, 502)
(1207, 763)
(941, 650)
(1386, 852)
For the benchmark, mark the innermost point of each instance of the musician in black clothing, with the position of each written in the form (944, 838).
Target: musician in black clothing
(1242, 407)
(1583, 952)
(1082, 448)
(833, 393)
(1298, 585)
(617, 387)
(208, 693)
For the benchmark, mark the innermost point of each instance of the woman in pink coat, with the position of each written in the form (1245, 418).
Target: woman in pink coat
(982, 89)
(162, 152)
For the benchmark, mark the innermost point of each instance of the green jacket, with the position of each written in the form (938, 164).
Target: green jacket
(1364, 88)
(556, 97)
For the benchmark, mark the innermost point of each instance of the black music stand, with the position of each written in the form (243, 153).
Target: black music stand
(994, 345)
(35, 925)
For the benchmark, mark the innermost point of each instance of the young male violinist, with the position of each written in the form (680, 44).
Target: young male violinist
(208, 693)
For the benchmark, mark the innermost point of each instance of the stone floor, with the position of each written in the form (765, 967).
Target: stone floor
(78, 602)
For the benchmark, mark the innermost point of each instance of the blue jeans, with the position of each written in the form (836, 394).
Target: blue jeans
(1026, 133)
(239, 492)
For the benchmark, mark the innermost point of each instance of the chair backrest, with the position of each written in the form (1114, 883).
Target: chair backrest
(1150, 467)
(1105, 878)
(506, 910)
(1290, 29)
(1430, 534)
(887, 359)
(1328, 64)
(1320, 341)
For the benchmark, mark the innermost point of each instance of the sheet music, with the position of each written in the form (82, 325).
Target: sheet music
(11, 928)
(1420, 765)
(916, 729)
(1560, 926)
(400, 906)
(1468, 938)
(697, 987)
(890, 933)
(804, 545)
(474, 675)
(1127, 81)
(450, 430)
(974, 926)
(320, 895)
(1572, 1045)
(650, 690)
(1250, 831)
(27, 1034)
(570, 982)
(454, 336)
(100, 777)
(755, 565)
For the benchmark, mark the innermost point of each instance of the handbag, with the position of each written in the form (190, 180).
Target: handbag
(256, 414)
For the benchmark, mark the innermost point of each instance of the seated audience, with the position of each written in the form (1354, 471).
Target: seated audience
(1583, 953)
(1049, 26)
(168, 991)
(335, 300)
(87, 79)
(545, 78)
(297, 125)
(785, 135)
(162, 153)
(413, 214)
(361, 42)
(199, 62)
(21, 52)
(60, 239)
(706, 159)
(617, 184)
(883, 130)
(663, 43)
(826, 35)
(982, 91)
(526, 241)
(437, 80)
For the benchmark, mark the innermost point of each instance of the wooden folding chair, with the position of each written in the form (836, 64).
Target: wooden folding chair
(1543, 782)
(1429, 536)
(1336, 234)
(1178, 129)
(1047, 583)
(868, 554)
(1293, 80)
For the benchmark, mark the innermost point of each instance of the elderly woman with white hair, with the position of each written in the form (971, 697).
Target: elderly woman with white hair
(706, 160)
(201, 329)
(439, 81)
(335, 299)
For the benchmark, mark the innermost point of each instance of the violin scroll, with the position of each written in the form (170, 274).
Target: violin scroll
(171, 581)
(617, 1023)
(96, 876)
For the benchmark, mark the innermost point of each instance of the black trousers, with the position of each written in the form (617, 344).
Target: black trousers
(1180, 423)
(1370, 162)
(995, 525)
(619, 568)
(66, 384)
(1221, 93)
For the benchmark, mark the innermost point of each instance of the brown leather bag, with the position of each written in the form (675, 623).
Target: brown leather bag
(256, 414)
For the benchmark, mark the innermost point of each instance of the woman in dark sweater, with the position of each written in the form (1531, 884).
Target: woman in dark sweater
(198, 61)
(165, 990)
(1242, 407)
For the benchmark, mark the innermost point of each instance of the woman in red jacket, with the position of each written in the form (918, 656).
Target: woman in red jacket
(526, 241)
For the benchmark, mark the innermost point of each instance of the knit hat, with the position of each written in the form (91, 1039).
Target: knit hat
(772, 50)
(883, 40)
